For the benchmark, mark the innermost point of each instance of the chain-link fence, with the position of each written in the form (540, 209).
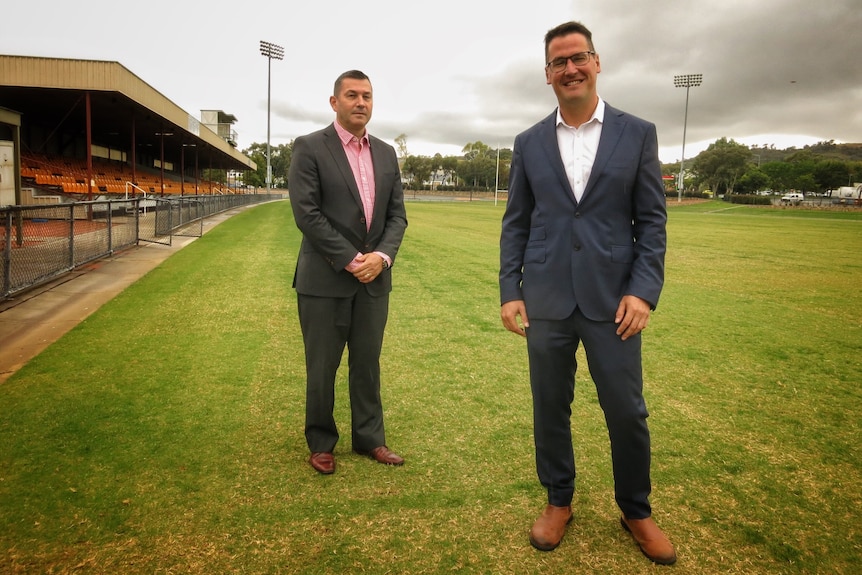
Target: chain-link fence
(43, 242)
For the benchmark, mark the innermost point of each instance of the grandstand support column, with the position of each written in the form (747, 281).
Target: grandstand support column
(134, 147)
(161, 136)
(89, 131)
(183, 167)
(162, 164)
(197, 174)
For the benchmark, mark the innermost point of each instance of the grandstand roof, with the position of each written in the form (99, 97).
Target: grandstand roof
(50, 94)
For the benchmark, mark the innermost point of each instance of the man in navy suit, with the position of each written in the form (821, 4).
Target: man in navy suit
(345, 191)
(582, 260)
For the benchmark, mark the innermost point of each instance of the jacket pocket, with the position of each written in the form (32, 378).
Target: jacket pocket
(534, 252)
(622, 254)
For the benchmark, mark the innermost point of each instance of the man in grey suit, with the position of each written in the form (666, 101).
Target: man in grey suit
(345, 191)
(582, 260)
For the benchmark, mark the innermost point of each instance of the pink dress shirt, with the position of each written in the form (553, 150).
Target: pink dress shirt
(358, 153)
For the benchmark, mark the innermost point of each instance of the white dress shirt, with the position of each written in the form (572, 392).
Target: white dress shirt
(578, 147)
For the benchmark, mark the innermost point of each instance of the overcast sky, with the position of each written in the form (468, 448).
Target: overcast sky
(447, 72)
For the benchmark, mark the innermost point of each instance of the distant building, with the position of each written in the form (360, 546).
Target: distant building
(220, 123)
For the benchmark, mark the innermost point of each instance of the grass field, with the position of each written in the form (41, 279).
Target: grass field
(165, 433)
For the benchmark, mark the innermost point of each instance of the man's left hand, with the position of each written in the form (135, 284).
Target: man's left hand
(632, 316)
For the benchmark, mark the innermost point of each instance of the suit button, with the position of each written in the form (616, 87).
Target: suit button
(577, 247)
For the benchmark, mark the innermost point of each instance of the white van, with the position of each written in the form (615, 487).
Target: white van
(793, 198)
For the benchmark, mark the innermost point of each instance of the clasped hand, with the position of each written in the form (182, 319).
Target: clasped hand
(366, 267)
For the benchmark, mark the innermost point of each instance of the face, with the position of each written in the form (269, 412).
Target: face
(352, 105)
(574, 84)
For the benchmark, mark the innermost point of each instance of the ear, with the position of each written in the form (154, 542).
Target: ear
(547, 76)
(598, 63)
(332, 101)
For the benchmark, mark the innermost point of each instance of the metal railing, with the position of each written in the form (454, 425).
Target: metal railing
(41, 243)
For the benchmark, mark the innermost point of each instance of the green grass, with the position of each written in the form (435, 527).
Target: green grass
(164, 434)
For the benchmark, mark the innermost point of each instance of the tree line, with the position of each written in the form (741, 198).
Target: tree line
(481, 167)
(728, 167)
(725, 167)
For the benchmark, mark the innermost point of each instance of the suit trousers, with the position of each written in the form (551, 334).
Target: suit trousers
(328, 324)
(615, 366)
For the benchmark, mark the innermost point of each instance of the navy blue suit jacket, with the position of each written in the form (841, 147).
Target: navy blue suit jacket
(557, 253)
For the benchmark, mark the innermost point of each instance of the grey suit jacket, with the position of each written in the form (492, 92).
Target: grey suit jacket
(557, 253)
(328, 210)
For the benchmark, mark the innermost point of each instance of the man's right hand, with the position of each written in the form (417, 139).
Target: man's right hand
(510, 311)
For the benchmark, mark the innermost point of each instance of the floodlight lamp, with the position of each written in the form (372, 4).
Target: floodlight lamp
(272, 51)
(687, 80)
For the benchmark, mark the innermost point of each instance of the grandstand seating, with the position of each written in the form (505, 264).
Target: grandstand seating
(109, 177)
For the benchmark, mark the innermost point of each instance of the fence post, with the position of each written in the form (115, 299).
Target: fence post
(71, 236)
(7, 252)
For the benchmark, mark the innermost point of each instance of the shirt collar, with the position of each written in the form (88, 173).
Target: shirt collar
(598, 115)
(346, 137)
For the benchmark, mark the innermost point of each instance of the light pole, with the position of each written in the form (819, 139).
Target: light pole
(497, 175)
(271, 51)
(685, 81)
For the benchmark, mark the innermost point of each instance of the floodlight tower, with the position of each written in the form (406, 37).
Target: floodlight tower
(685, 81)
(271, 51)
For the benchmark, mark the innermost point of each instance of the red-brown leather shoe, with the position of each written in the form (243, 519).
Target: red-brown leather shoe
(652, 541)
(383, 455)
(323, 462)
(548, 530)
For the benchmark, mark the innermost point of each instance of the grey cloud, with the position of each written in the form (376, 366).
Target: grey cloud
(769, 67)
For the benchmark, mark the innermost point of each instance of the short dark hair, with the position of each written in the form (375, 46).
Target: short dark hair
(566, 29)
(353, 75)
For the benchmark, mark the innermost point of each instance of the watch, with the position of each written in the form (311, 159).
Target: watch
(385, 264)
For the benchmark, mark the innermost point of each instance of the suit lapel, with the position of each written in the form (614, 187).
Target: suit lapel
(612, 130)
(381, 194)
(339, 156)
(552, 151)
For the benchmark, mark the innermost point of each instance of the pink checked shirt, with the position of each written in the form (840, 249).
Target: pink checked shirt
(359, 156)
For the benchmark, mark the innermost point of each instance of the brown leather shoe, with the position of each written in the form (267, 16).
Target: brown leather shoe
(652, 541)
(383, 455)
(323, 462)
(548, 530)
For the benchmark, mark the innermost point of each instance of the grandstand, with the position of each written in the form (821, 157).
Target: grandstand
(86, 129)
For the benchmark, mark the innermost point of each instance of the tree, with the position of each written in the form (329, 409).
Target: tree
(479, 166)
(830, 174)
(781, 175)
(475, 149)
(279, 161)
(417, 169)
(257, 178)
(802, 165)
(449, 165)
(722, 164)
(753, 180)
(281, 156)
(401, 145)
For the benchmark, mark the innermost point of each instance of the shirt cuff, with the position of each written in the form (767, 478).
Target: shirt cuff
(385, 257)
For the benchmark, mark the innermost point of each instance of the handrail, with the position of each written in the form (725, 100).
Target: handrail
(143, 191)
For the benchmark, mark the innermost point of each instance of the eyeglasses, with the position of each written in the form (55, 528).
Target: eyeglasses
(579, 59)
